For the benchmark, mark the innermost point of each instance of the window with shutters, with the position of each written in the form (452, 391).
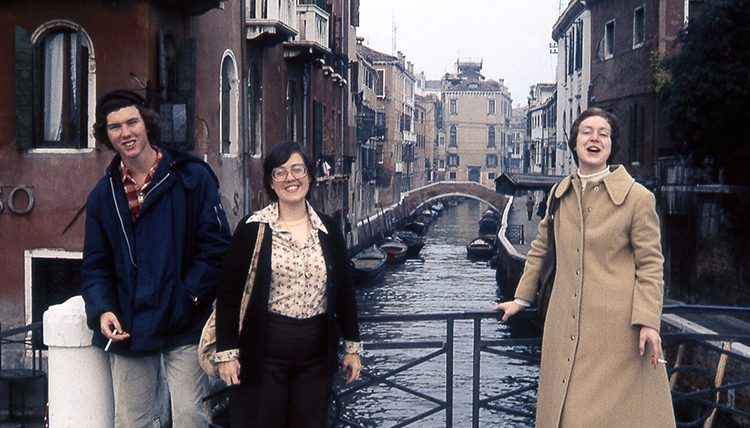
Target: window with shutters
(453, 141)
(54, 88)
(491, 137)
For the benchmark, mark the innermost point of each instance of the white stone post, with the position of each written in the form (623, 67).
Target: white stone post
(80, 380)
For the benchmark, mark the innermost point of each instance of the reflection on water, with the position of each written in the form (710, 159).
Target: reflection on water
(442, 280)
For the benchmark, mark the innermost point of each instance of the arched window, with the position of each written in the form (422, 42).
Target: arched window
(453, 137)
(55, 87)
(229, 106)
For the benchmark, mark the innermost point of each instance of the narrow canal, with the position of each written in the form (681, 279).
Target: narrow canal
(442, 280)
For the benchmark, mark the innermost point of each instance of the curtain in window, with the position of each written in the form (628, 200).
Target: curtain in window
(54, 63)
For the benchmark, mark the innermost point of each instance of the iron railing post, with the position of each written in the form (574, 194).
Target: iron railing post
(475, 373)
(449, 373)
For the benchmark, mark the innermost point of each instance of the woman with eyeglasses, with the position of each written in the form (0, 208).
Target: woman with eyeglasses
(280, 369)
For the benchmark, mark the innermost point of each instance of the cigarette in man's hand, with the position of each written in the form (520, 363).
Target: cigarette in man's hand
(661, 360)
(109, 342)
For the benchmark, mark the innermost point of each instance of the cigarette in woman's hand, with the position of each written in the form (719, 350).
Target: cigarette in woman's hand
(109, 342)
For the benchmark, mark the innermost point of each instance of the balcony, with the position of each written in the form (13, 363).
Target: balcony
(270, 22)
(410, 137)
(313, 25)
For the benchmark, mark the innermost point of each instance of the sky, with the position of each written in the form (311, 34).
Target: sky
(511, 37)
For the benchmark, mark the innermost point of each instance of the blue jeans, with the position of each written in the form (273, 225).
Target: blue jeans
(136, 379)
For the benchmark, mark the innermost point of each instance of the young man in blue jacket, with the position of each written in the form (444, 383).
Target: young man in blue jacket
(156, 235)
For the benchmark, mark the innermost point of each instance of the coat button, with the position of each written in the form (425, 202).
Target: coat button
(596, 188)
(589, 209)
(572, 338)
(578, 272)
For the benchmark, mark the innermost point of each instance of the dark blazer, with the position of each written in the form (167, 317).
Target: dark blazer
(342, 312)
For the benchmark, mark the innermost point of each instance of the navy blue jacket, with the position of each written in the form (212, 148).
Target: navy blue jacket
(159, 274)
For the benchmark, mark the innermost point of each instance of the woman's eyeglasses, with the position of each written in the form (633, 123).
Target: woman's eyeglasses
(280, 174)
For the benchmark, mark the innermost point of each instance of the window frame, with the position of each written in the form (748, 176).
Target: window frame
(28, 129)
(229, 119)
(609, 39)
(28, 258)
(639, 26)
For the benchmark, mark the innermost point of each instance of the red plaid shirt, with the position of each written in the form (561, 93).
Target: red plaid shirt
(135, 194)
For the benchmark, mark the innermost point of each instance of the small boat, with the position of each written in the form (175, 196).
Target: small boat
(489, 221)
(395, 250)
(438, 207)
(480, 248)
(369, 265)
(416, 226)
(414, 242)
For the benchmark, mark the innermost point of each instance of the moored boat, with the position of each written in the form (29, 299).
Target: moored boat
(480, 248)
(489, 221)
(395, 250)
(416, 226)
(414, 242)
(369, 265)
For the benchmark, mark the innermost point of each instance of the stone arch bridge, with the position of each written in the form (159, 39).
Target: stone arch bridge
(416, 199)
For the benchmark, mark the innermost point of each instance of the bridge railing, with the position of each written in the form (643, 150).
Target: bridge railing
(692, 386)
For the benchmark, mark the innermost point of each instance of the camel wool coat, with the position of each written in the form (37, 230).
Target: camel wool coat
(608, 283)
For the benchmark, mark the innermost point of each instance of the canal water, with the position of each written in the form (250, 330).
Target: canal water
(442, 280)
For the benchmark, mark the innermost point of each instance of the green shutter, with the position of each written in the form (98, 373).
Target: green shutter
(24, 89)
(185, 93)
(82, 96)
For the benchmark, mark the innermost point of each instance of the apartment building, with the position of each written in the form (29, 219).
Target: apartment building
(476, 124)
(572, 33)
(541, 148)
(395, 89)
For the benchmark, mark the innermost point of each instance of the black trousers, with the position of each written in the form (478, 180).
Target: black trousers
(295, 388)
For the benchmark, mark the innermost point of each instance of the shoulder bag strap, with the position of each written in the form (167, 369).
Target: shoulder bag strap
(251, 274)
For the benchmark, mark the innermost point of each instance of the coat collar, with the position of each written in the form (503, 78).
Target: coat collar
(618, 184)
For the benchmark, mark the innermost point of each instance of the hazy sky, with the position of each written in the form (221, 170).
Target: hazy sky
(512, 37)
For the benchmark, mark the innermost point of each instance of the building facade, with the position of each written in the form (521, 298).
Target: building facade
(541, 148)
(59, 58)
(572, 34)
(476, 124)
(229, 78)
(395, 89)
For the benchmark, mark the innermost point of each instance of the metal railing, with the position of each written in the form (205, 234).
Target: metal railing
(699, 389)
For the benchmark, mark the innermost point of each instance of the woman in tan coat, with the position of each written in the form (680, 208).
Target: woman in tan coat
(601, 352)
